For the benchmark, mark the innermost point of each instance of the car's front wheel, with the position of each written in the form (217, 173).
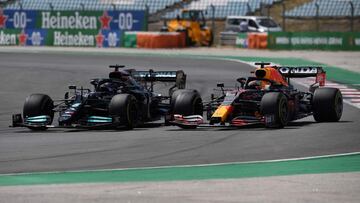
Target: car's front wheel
(124, 106)
(39, 105)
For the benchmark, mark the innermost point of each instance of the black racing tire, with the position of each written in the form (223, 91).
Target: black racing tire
(187, 102)
(276, 104)
(37, 105)
(125, 107)
(327, 105)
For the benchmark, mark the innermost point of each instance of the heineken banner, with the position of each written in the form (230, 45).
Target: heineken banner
(68, 28)
(73, 20)
(40, 37)
(314, 40)
(30, 37)
(84, 38)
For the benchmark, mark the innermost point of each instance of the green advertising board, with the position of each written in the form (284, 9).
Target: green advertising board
(130, 40)
(314, 40)
(242, 40)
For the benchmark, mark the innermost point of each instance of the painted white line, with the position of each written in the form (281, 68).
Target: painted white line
(351, 96)
(350, 93)
(190, 166)
(348, 90)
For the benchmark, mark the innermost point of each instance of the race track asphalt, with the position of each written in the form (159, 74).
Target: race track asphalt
(58, 150)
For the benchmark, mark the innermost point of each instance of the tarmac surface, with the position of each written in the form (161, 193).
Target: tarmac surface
(59, 150)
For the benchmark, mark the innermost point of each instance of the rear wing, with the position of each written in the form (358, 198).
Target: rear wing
(300, 71)
(304, 71)
(177, 77)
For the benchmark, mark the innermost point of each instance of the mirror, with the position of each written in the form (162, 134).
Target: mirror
(220, 85)
(72, 87)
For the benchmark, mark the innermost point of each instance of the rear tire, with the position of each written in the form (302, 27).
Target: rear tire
(275, 104)
(37, 105)
(327, 105)
(124, 106)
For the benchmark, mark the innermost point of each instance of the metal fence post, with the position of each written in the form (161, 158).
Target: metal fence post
(51, 6)
(317, 16)
(248, 8)
(147, 10)
(213, 20)
(352, 16)
(82, 6)
(283, 16)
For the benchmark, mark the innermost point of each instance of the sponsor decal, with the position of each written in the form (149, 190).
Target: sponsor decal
(76, 39)
(357, 41)
(105, 20)
(22, 38)
(298, 70)
(282, 40)
(7, 38)
(75, 21)
(3, 18)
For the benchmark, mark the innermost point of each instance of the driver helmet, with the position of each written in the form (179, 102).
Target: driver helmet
(255, 84)
(107, 87)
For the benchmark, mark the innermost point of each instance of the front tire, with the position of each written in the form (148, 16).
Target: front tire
(187, 102)
(38, 105)
(327, 105)
(274, 105)
(124, 106)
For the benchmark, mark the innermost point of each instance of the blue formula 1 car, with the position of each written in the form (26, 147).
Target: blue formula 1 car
(125, 99)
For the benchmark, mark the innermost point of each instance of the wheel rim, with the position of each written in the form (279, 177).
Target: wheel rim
(338, 106)
(283, 112)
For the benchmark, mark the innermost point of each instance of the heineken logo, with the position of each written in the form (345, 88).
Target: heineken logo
(7, 39)
(75, 21)
(78, 39)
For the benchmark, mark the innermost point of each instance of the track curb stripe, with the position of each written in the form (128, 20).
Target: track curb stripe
(349, 162)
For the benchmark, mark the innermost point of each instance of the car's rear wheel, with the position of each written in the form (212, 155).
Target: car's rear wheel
(39, 105)
(327, 105)
(274, 107)
(124, 106)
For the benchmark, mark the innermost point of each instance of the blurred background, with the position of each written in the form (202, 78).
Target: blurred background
(259, 24)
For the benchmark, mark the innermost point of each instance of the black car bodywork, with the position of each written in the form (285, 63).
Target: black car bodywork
(127, 98)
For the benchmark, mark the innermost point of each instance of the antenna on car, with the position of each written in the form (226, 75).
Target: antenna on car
(116, 67)
(262, 64)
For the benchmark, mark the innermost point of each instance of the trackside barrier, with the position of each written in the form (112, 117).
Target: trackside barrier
(130, 39)
(154, 39)
(252, 40)
(314, 40)
(257, 40)
(68, 28)
(160, 40)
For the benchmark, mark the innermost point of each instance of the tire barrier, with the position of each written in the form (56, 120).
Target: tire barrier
(154, 39)
(160, 40)
(252, 40)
